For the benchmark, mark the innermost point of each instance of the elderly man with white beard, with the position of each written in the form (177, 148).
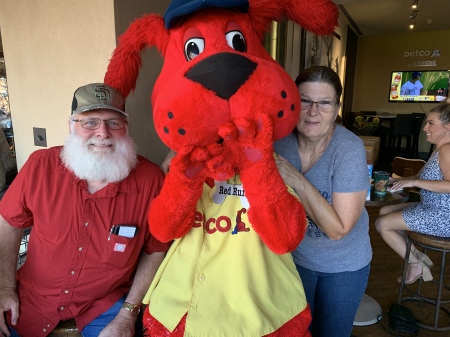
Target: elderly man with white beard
(90, 255)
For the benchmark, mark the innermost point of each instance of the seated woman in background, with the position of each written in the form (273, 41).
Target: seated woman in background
(431, 214)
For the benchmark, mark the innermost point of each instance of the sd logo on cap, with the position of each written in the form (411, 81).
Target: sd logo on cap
(96, 96)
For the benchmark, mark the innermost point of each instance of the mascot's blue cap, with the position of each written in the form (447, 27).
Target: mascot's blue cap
(179, 8)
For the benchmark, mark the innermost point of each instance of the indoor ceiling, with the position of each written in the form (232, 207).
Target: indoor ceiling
(383, 17)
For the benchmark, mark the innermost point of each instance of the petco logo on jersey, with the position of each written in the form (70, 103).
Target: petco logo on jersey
(423, 53)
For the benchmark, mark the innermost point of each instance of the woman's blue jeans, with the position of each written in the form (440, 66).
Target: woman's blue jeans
(334, 299)
(94, 328)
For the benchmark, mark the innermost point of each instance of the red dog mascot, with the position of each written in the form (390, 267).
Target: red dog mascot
(219, 103)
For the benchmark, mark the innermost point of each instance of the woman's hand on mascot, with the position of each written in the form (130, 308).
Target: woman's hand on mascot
(288, 172)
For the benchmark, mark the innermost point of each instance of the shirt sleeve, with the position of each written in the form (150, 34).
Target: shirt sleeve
(13, 206)
(351, 173)
(153, 245)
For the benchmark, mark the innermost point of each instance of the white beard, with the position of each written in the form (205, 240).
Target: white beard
(108, 166)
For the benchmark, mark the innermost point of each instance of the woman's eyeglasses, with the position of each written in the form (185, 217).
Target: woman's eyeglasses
(322, 106)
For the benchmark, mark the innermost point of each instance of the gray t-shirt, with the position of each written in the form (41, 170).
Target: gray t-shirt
(341, 168)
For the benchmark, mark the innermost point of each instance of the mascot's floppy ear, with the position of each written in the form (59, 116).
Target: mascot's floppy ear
(124, 66)
(317, 16)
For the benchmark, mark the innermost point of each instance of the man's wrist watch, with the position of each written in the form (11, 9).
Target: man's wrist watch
(134, 309)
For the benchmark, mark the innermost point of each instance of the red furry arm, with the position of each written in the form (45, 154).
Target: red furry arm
(125, 63)
(172, 213)
(276, 215)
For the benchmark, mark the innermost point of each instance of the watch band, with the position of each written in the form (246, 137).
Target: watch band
(134, 309)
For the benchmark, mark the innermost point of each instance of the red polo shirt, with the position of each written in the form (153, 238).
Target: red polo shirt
(75, 268)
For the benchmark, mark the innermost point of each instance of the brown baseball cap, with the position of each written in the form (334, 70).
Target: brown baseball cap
(96, 96)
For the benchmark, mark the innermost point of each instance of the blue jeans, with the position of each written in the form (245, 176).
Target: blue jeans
(334, 299)
(94, 328)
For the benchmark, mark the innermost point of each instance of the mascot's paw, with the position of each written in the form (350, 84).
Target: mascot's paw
(199, 163)
(189, 163)
(219, 164)
(250, 140)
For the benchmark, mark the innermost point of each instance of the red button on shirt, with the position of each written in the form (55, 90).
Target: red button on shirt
(72, 269)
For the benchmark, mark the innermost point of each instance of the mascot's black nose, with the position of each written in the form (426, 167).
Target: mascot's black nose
(222, 73)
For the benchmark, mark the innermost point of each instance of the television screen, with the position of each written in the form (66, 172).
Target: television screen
(419, 86)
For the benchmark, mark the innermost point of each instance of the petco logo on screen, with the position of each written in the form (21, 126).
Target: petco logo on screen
(425, 53)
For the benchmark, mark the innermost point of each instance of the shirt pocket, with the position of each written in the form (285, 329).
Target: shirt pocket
(120, 251)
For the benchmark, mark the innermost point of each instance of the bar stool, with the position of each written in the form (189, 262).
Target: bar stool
(65, 329)
(405, 167)
(432, 243)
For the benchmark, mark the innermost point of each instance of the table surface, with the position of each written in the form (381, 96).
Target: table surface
(386, 116)
(382, 116)
(391, 198)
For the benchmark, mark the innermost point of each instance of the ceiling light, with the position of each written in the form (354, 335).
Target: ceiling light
(412, 25)
(415, 4)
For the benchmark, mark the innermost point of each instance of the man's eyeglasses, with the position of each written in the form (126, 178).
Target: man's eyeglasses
(322, 106)
(94, 123)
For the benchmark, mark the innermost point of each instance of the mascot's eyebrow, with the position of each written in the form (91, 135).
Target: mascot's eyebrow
(233, 26)
(192, 32)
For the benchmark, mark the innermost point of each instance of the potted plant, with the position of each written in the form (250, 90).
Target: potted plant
(366, 126)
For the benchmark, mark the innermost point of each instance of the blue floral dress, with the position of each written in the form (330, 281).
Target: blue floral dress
(432, 214)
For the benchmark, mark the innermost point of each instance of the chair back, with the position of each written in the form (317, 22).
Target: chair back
(418, 120)
(404, 167)
(404, 125)
(417, 128)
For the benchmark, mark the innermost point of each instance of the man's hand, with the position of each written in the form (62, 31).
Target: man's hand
(9, 300)
(165, 166)
(122, 326)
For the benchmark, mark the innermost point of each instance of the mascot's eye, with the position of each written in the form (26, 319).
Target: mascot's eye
(235, 40)
(194, 47)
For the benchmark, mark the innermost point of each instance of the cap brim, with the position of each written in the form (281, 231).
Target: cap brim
(92, 107)
(177, 9)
